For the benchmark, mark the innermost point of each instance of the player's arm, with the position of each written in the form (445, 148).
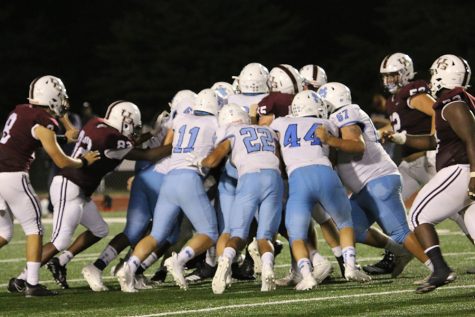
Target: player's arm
(253, 113)
(49, 143)
(218, 154)
(266, 119)
(424, 103)
(71, 133)
(152, 155)
(351, 141)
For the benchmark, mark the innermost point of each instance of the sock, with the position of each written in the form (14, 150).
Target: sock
(65, 257)
(230, 253)
(429, 265)
(134, 263)
(148, 262)
(186, 254)
(22, 275)
(349, 256)
(268, 259)
(337, 251)
(211, 256)
(32, 272)
(395, 247)
(106, 257)
(436, 258)
(304, 267)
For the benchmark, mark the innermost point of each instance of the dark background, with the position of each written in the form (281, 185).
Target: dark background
(145, 51)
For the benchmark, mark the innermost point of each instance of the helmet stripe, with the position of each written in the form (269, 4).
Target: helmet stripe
(467, 72)
(385, 61)
(315, 72)
(291, 76)
(32, 87)
(112, 105)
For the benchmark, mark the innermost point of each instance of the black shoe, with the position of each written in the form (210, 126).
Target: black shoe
(38, 290)
(341, 264)
(278, 246)
(16, 285)
(202, 272)
(160, 275)
(244, 272)
(385, 266)
(58, 271)
(437, 280)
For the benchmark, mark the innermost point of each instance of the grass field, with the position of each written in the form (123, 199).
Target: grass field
(381, 297)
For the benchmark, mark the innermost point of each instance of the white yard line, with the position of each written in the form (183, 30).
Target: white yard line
(289, 301)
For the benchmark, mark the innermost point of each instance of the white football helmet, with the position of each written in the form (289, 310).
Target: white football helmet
(400, 64)
(182, 95)
(125, 117)
(49, 91)
(308, 103)
(222, 90)
(235, 85)
(334, 95)
(449, 71)
(286, 79)
(233, 114)
(207, 102)
(313, 75)
(253, 79)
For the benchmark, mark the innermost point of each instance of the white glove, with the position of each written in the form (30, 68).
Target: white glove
(161, 119)
(194, 160)
(399, 138)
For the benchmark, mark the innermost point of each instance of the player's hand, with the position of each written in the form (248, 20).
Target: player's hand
(194, 160)
(471, 188)
(91, 157)
(322, 134)
(390, 136)
(158, 125)
(72, 135)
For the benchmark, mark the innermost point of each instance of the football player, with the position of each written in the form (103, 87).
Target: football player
(452, 189)
(28, 127)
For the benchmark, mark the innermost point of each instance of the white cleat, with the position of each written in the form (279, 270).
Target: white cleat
(268, 279)
(222, 277)
(253, 249)
(306, 284)
(321, 269)
(126, 279)
(354, 274)
(142, 282)
(176, 270)
(93, 277)
(293, 278)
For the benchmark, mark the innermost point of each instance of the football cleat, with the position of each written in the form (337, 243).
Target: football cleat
(321, 269)
(16, 285)
(341, 264)
(278, 247)
(93, 277)
(436, 281)
(353, 274)
(159, 276)
(293, 278)
(38, 290)
(268, 279)
(243, 272)
(423, 281)
(202, 272)
(385, 266)
(117, 267)
(306, 284)
(222, 276)
(126, 279)
(59, 272)
(142, 282)
(176, 270)
(253, 250)
(400, 262)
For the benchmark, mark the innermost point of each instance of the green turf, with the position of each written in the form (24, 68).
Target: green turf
(381, 297)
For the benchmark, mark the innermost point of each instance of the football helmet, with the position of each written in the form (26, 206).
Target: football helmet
(334, 95)
(398, 64)
(125, 117)
(232, 114)
(253, 79)
(308, 103)
(181, 96)
(49, 91)
(286, 79)
(235, 85)
(206, 101)
(222, 90)
(449, 71)
(313, 75)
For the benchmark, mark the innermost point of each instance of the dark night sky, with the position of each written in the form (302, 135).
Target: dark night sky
(145, 51)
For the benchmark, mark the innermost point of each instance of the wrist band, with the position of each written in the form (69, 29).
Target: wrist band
(84, 161)
(472, 174)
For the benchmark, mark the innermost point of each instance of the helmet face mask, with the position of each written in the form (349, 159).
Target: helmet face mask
(308, 103)
(125, 117)
(397, 63)
(449, 71)
(49, 91)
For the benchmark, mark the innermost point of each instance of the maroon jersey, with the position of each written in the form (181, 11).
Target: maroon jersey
(451, 149)
(407, 119)
(18, 145)
(96, 135)
(276, 103)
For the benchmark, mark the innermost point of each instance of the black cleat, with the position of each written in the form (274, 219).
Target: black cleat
(245, 272)
(38, 290)
(202, 272)
(16, 285)
(160, 276)
(58, 271)
(385, 266)
(278, 246)
(436, 281)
